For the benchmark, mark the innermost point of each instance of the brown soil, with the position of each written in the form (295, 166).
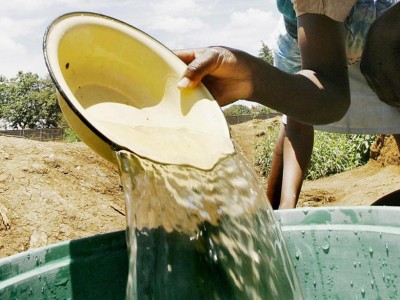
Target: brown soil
(361, 186)
(53, 191)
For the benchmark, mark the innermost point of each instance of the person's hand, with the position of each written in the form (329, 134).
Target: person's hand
(227, 73)
(380, 62)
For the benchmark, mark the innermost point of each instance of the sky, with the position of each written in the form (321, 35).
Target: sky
(175, 23)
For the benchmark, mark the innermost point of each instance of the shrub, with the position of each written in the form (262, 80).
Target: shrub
(261, 109)
(332, 153)
(237, 110)
(70, 136)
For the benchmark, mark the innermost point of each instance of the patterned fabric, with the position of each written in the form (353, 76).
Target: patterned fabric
(357, 16)
(286, 8)
(289, 16)
(367, 114)
(360, 18)
(337, 10)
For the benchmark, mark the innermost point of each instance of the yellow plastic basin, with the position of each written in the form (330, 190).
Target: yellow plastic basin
(117, 88)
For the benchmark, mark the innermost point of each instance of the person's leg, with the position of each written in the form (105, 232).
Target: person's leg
(288, 59)
(297, 150)
(274, 186)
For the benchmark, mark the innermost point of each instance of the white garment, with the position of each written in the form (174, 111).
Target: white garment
(367, 114)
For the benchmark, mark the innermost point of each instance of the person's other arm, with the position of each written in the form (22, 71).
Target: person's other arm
(380, 62)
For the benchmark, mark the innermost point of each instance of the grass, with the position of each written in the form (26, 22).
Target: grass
(332, 153)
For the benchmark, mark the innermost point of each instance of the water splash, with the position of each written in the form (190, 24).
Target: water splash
(210, 234)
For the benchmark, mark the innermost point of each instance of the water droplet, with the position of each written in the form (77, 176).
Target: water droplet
(351, 283)
(297, 254)
(372, 284)
(305, 210)
(215, 257)
(315, 283)
(371, 251)
(326, 248)
(355, 232)
(362, 291)
(61, 282)
(355, 265)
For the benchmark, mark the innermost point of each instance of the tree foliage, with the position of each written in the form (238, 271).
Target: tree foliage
(28, 101)
(265, 54)
(261, 109)
(237, 110)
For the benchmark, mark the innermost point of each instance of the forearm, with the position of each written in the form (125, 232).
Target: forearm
(309, 96)
(319, 96)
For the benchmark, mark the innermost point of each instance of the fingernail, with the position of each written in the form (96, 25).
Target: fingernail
(184, 83)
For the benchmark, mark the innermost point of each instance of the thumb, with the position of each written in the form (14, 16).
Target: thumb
(202, 64)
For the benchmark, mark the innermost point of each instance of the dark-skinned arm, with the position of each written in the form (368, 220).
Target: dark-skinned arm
(318, 94)
(380, 63)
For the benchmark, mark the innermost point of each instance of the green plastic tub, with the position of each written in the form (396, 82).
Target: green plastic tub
(89, 268)
(339, 253)
(345, 253)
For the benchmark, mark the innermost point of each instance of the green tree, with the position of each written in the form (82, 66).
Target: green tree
(3, 94)
(237, 110)
(261, 109)
(28, 101)
(265, 54)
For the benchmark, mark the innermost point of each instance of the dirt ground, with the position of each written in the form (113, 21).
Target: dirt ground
(361, 186)
(53, 191)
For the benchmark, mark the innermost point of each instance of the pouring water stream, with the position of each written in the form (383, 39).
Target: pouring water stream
(202, 234)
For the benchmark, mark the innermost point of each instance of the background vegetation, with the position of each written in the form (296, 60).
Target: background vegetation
(239, 110)
(332, 153)
(28, 101)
